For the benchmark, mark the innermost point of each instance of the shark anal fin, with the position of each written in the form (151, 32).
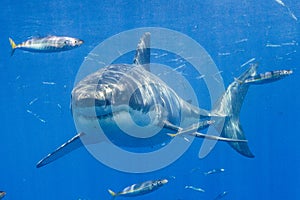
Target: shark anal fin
(142, 55)
(61, 151)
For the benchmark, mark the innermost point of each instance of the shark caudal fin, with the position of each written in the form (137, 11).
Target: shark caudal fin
(229, 106)
(63, 150)
(13, 46)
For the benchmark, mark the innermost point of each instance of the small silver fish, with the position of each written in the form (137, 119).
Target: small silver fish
(268, 77)
(47, 44)
(139, 189)
(2, 194)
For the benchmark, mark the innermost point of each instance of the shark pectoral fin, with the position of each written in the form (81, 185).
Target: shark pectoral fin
(61, 151)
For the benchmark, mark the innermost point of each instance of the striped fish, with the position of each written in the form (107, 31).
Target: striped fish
(268, 77)
(139, 189)
(47, 44)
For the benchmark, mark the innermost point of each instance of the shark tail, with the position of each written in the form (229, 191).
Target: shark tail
(13, 46)
(229, 106)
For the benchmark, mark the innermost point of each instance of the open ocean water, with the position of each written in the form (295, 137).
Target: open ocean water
(36, 88)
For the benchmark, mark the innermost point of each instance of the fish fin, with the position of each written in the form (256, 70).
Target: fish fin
(112, 193)
(142, 55)
(13, 46)
(61, 151)
(229, 105)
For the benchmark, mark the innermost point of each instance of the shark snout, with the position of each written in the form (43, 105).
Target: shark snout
(90, 100)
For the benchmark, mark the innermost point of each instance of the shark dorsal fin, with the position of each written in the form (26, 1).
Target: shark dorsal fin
(142, 55)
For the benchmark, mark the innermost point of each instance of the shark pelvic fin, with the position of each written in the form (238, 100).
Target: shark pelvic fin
(61, 151)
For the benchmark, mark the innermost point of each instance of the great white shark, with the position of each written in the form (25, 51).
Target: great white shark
(111, 93)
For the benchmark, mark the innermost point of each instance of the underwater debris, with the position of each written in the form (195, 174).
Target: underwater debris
(194, 188)
(36, 116)
(48, 83)
(221, 195)
(288, 9)
(224, 54)
(213, 171)
(161, 55)
(247, 62)
(241, 40)
(32, 101)
(273, 45)
(292, 43)
(200, 77)
(280, 2)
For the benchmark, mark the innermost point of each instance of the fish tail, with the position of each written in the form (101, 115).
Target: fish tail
(229, 107)
(173, 134)
(112, 193)
(13, 46)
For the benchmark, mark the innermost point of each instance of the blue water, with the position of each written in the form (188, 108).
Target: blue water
(35, 116)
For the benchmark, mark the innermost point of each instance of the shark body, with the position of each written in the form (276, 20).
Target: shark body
(122, 93)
